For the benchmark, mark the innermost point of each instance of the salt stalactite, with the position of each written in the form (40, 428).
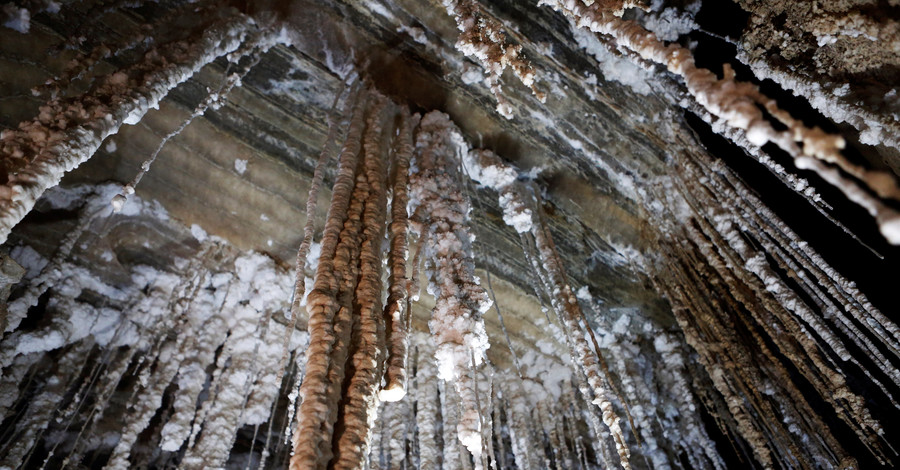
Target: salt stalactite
(441, 220)
(695, 435)
(18, 308)
(427, 407)
(394, 422)
(190, 381)
(322, 307)
(739, 137)
(834, 310)
(744, 272)
(166, 365)
(484, 389)
(829, 98)
(741, 105)
(546, 417)
(252, 48)
(519, 433)
(396, 310)
(746, 428)
(108, 346)
(500, 433)
(601, 436)
(572, 412)
(451, 455)
(844, 292)
(756, 265)
(828, 380)
(658, 401)
(520, 212)
(482, 37)
(636, 392)
(303, 252)
(376, 458)
(41, 409)
(312, 202)
(800, 185)
(68, 131)
(367, 347)
(236, 397)
(346, 357)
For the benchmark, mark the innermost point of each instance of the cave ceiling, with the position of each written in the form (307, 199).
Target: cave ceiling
(619, 149)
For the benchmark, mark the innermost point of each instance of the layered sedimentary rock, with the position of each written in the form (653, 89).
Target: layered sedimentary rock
(459, 234)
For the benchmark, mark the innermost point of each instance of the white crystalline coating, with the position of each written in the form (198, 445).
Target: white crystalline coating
(391, 394)
(29, 259)
(472, 74)
(805, 308)
(613, 66)
(427, 406)
(18, 19)
(53, 152)
(482, 37)
(417, 34)
(441, 219)
(486, 168)
(217, 312)
(198, 233)
(671, 23)
(874, 130)
(741, 105)
(240, 166)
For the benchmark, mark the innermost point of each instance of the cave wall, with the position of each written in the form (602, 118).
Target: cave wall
(611, 149)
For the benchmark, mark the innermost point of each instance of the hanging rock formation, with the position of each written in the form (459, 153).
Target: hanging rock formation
(338, 235)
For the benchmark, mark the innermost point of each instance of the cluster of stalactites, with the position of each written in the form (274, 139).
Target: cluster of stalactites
(755, 301)
(182, 368)
(355, 340)
(69, 129)
(742, 106)
(518, 430)
(440, 215)
(521, 211)
(483, 38)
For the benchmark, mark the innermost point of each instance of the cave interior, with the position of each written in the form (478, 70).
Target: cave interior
(456, 234)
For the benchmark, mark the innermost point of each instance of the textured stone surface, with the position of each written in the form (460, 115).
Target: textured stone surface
(242, 172)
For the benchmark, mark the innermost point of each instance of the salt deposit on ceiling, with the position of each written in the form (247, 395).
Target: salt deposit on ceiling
(218, 219)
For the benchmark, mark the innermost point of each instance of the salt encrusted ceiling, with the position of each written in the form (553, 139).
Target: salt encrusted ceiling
(718, 322)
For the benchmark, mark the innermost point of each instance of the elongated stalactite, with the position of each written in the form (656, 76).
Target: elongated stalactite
(440, 214)
(396, 311)
(312, 437)
(68, 131)
(741, 105)
(356, 340)
(522, 213)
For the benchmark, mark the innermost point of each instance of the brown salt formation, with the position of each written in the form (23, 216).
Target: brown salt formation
(68, 131)
(483, 38)
(441, 218)
(396, 310)
(364, 371)
(741, 105)
(313, 433)
(745, 274)
(346, 359)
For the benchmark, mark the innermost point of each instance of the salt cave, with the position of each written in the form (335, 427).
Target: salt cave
(457, 234)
